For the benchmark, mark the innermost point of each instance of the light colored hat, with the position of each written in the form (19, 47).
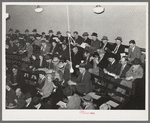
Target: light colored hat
(105, 106)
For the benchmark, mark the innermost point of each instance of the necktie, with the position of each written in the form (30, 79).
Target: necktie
(116, 49)
(121, 70)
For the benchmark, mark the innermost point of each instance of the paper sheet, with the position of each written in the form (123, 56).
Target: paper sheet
(112, 103)
(94, 96)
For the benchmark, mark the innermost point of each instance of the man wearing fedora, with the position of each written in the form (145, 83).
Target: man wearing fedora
(27, 35)
(18, 34)
(134, 51)
(35, 34)
(83, 83)
(95, 43)
(60, 37)
(78, 39)
(64, 52)
(55, 48)
(103, 62)
(118, 48)
(135, 72)
(87, 102)
(50, 36)
(86, 39)
(106, 45)
(11, 35)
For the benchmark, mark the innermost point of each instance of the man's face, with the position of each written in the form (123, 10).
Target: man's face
(28, 100)
(49, 77)
(50, 34)
(43, 44)
(75, 50)
(59, 35)
(118, 42)
(81, 70)
(18, 92)
(104, 41)
(14, 70)
(131, 45)
(75, 35)
(41, 75)
(27, 43)
(34, 33)
(85, 37)
(123, 61)
(26, 33)
(54, 44)
(94, 38)
(110, 60)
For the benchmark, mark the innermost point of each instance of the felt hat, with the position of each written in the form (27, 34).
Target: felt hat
(50, 31)
(94, 34)
(58, 32)
(82, 65)
(17, 31)
(136, 61)
(43, 41)
(26, 30)
(34, 30)
(119, 38)
(43, 33)
(10, 29)
(104, 38)
(85, 34)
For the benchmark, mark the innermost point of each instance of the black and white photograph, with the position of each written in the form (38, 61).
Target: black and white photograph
(75, 61)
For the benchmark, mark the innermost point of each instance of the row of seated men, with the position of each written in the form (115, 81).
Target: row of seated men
(101, 61)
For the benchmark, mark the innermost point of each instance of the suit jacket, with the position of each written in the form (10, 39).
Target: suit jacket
(79, 40)
(65, 54)
(120, 50)
(126, 68)
(103, 63)
(108, 47)
(76, 58)
(138, 73)
(45, 50)
(12, 48)
(61, 38)
(113, 68)
(95, 45)
(50, 39)
(26, 37)
(29, 50)
(56, 49)
(135, 54)
(88, 41)
(84, 84)
(21, 101)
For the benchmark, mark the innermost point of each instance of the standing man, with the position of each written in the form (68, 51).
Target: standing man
(60, 37)
(78, 38)
(35, 34)
(134, 51)
(106, 46)
(51, 36)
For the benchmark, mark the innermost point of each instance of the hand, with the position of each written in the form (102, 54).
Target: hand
(41, 57)
(105, 71)
(116, 77)
(128, 78)
(34, 58)
(16, 101)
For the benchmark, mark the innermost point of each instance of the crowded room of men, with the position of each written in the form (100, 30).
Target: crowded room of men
(66, 58)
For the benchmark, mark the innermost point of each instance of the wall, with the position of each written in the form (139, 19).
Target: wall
(129, 22)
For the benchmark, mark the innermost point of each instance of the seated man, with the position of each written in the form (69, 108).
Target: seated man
(78, 39)
(83, 83)
(86, 39)
(136, 71)
(45, 48)
(29, 103)
(41, 80)
(47, 89)
(106, 46)
(55, 62)
(118, 48)
(64, 53)
(20, 100)
(55, 49)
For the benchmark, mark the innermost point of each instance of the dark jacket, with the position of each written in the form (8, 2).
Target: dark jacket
(103, 63)
(108, 47)
(88, 41)
(79, 40)
(65, 54)
(84, 84)
(120, 50)
(50, 39)
(76, 58)
(21, 101)
(95, 45)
